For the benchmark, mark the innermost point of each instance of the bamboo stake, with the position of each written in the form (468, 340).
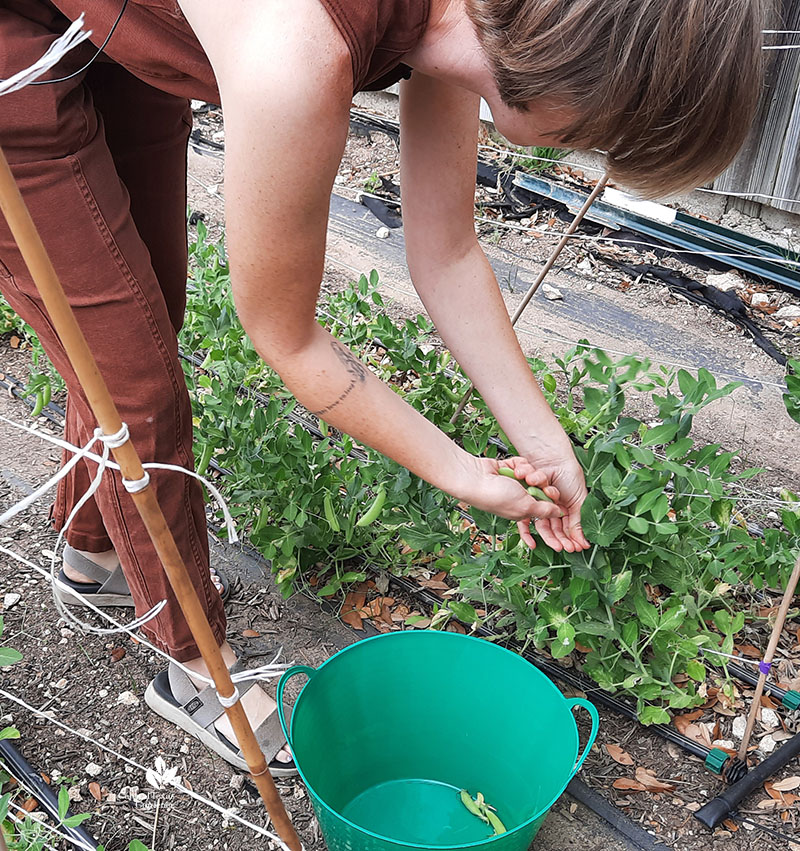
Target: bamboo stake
(105, 411)
(601, 184)
(764, 667)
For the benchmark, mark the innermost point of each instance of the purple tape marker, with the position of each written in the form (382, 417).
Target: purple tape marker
(765, 667)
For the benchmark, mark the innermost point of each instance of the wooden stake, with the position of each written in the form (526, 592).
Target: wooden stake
(105, 411)
(601, 184)
(774, 638)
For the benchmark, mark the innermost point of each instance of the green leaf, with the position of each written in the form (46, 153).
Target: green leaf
(647, 613)
(630, 633)
(654, 715)
(679, 448)
(722, 620)
(673, 618)
(136, 845)
(638, 525)
(645, 457)
(63, 803)
(646, 502)
(74, 821)
(660, 434)
(696, 671)
(9, 733)
(660, 509)
(463, 611)
(9, 656)
(620, 585)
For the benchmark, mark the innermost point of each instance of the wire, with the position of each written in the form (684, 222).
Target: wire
(91, 61)
(776, 834)
(174, 782)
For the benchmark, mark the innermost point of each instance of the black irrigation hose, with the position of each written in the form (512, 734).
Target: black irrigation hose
(19, 768)
(790, 699)
(721, 807)
(585, 795)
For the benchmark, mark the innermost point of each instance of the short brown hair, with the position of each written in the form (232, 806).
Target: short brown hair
(668, 88)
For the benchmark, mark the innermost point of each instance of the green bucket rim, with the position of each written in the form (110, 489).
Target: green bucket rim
(415, 845)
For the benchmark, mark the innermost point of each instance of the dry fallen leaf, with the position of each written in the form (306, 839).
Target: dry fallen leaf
(117, 654)
(731, 825)
(251, 633)
(14, 342)
(625, 784)
(682, 721)
(787, 784)
(697, 733)
(649, 780)
(94, 791)
(353, 619)
(619, 755)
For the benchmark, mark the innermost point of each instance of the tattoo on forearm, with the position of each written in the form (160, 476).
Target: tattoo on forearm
(351, 363)
(356, 369)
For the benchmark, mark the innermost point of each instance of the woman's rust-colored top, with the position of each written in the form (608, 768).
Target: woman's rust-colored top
(154, 41)
(379, 33)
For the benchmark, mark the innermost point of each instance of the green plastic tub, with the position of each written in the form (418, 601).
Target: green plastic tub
(388, 731)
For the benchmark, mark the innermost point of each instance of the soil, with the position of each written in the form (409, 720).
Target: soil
(97, 670)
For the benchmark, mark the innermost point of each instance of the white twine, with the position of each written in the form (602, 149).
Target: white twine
(269, 671)
(46, 826)
(39, 819)
(162, 776)
(74, 35)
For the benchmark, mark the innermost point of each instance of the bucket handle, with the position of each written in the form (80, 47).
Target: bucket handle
(291, 672)
(592, 710)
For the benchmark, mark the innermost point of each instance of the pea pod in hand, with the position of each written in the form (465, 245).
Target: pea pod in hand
(536, 493)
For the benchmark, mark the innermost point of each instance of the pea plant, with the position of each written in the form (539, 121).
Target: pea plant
(671, 551)
(673, 570)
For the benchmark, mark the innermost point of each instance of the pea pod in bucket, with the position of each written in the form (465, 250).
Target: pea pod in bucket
(536, 493)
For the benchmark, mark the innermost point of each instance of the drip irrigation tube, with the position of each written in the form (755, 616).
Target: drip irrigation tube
(682, 231)
(19, 768)
(585, 795)
(790, 699)
(720, 808)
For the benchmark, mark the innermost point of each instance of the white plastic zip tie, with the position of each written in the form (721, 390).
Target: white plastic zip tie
(74, 36)
(227, 702)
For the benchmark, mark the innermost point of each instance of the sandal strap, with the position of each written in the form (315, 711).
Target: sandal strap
(269, 736)
(111, 581)
(201, 705)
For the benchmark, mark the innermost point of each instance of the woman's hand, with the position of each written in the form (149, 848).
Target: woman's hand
(560, 469)
(484, 487)
(560, 478)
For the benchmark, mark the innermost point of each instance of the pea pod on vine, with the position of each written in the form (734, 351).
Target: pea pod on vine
(371, 514)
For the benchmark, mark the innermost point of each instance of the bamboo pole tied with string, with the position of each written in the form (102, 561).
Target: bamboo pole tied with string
(116, 437)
